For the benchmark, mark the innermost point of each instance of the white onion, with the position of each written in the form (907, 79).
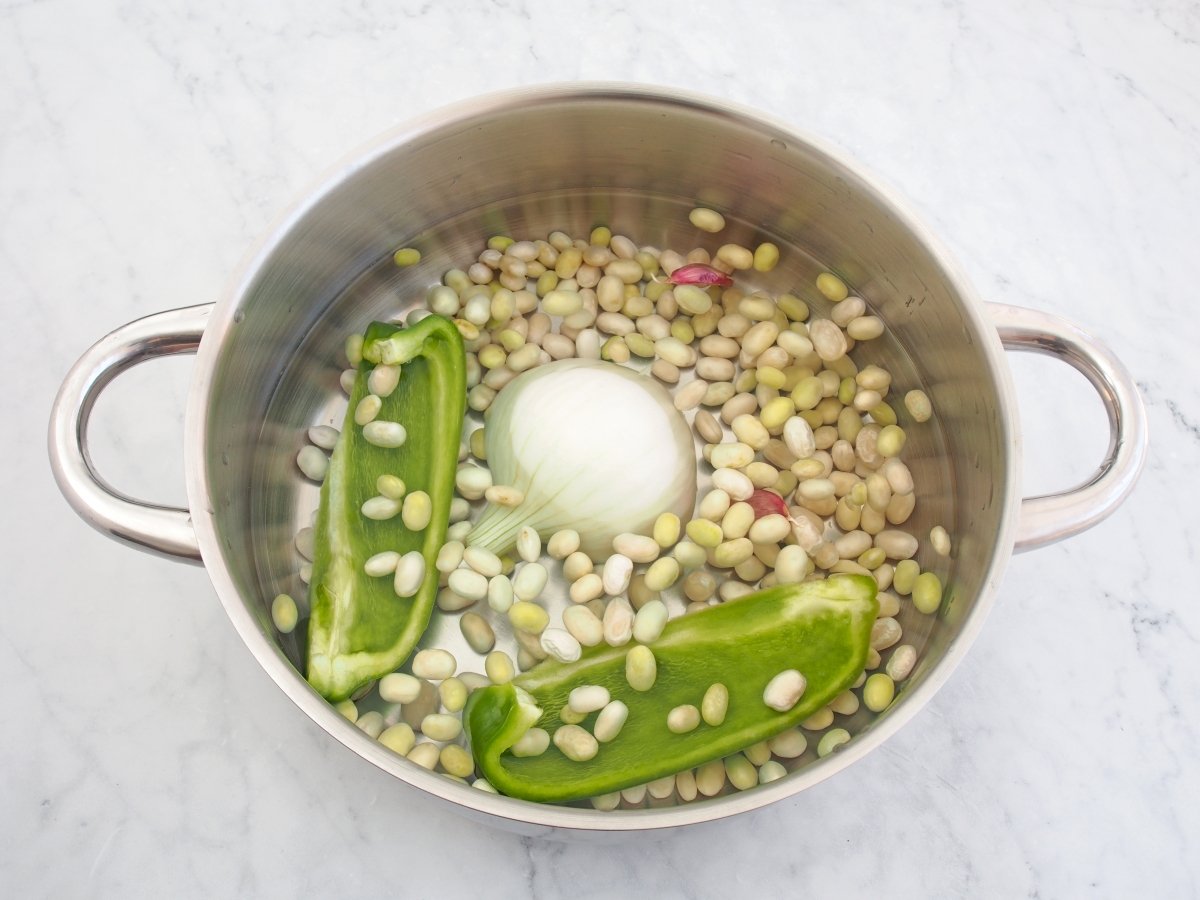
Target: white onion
(593, 446)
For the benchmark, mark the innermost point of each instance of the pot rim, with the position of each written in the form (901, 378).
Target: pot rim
(524, 815)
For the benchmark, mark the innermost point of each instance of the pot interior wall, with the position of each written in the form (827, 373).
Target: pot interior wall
(638, 165)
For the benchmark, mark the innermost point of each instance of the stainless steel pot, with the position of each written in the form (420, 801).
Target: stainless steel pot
(525, 163)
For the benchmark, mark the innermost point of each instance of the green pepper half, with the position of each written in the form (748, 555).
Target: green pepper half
(359, 628)
(820, 628)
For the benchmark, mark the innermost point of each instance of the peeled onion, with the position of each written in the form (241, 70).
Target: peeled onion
(594, 447)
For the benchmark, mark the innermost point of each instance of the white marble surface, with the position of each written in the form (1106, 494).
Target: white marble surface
(143, 147)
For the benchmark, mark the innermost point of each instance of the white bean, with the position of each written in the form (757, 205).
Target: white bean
(410, 574)
(367, 409)
(847, 310)
(524, 358)
(618, 622)
(468, 584)
(383, 380)
(685, 785)
(478, 633)
(399, 687)
(760, 337)
(500, 594)
(504, 495)
(391, 486)
(449, 601)
(583, 625)
(610, 721)
(426, 753)
(750, 431)
(399, 738)
(614, 323)
(828, 340)
(879, 491)
(901, 663)
(714, 505)
(853, 544)
(563, 543)
(483, 561)
(561, 645)
(715, 704)
(898, 475)
(306, 543)
(441, 726)
(576, 566)
(896, 544)
(313, 463)
(607, 802)
(639, 548)
(690, 555)
(731, 590)
(865, 328)
(741, 772)
(734, 483)
(575, 743)
(388, 435)
(665, 371)
(284, 613)
(499, 667)
(707, 427)
(324, 436)
(533, 742)
(770, 529)
(588, 698)
(939, 539)
(561, 303)
(649, 622)
(732, 455)
(618, 569)
(529, 545)
(587, 587)
(662, 574)
(641, 668)
(706, 219)
(683, 719)
(816, 489)
(784, 690)
(434, 664)
(795, 344)
(789, 745)
(449, 557)
(884, 633)
(530, 581)
(799, 438)
(587, 344)
(675, 351)
(791, 564)
(472, 481)
(689, 396)
(712, 368)
(460, 509)
(380, 509)
(771, 770)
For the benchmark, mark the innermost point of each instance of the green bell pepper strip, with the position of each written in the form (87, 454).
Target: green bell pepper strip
(820, 628)
(359, 629)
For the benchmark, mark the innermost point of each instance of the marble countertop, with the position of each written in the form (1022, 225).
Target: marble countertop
(143, 148)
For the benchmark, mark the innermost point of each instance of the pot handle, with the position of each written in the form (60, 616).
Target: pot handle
(159, 529)
(1052, 517)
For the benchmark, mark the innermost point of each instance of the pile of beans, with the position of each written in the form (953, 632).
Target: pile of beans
(808, 479)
